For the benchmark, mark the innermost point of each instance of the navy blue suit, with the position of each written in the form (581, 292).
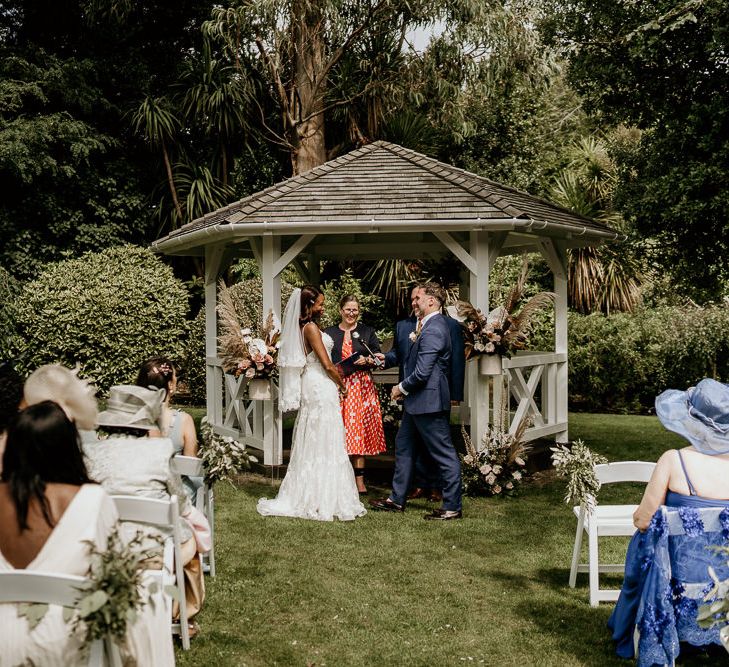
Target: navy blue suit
(426, 369)
(427, 475)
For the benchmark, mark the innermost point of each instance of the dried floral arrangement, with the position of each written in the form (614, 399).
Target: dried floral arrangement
(223, 457)
(502, 331)
(577, 464)
(498, 468)
(241, 352)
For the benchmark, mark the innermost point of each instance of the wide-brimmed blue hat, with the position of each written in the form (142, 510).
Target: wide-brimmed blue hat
(700, 414)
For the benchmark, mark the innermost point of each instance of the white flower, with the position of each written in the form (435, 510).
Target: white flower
(468, 459)
(491, 479)
(479, 347)
(509, 485)
(490, 348)
(485, 469)
(497, 469)
(413, 336)
(257, 348)
(516, 475)
(497, 489)
(519, 461)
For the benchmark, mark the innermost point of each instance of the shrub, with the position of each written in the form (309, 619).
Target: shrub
(622, 362)
(107, 311)
(9, 288)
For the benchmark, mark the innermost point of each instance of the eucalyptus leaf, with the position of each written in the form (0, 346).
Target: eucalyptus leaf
(33, 613)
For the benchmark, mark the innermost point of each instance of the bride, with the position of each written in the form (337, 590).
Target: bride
(319, 483)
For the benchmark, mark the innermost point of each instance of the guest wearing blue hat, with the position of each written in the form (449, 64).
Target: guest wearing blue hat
(695, 476)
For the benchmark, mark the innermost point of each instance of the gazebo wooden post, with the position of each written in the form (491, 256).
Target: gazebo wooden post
(271, 279)
(555, 253)
(484, 250)
(214, 255)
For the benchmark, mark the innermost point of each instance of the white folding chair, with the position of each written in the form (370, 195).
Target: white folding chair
(205, 501)
(162, 514)
(57, 589)
(606, 520)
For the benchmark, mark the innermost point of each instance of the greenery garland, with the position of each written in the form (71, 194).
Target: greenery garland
(577, 464)
(223, 457)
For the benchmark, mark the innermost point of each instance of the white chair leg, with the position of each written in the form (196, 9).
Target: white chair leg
(577, 548)
(593, 566)
(211, 521)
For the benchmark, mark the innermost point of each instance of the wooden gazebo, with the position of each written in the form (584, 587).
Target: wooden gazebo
(384, 201)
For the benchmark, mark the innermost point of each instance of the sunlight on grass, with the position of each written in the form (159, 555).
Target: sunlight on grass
(397, 590)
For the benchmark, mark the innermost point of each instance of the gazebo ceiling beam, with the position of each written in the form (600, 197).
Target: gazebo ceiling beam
(296, 247)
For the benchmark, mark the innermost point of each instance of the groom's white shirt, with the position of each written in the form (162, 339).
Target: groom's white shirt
(422, 324)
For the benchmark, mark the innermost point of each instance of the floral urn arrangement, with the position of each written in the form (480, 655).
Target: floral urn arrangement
(247, 353)
(503, 331)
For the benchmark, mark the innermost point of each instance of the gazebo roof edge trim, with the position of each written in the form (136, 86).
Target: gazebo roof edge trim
(216, 233)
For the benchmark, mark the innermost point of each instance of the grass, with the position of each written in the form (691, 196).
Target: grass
(396, 590)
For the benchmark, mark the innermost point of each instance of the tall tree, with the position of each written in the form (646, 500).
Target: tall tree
(661, 65)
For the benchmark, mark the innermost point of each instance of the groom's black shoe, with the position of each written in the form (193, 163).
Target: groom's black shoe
(385, 505)
(443, 515)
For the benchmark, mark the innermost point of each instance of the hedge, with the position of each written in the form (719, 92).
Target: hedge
(622, 362)
(107, 311)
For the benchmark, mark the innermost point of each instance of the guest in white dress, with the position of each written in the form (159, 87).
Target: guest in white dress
(319, 483)
(48, 512)
(131, 458)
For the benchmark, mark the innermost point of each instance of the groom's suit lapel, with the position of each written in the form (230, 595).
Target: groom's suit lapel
(416, 344)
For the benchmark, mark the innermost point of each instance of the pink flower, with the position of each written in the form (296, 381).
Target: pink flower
(251, 372)
(246, 363)
(268, 359)
(497, 489)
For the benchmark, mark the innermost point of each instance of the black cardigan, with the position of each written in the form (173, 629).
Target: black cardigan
(366, 333)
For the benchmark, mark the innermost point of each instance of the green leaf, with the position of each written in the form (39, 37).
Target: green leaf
(33, 613)
(91, 603)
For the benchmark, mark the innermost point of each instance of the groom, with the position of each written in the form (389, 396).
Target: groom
(426, 398)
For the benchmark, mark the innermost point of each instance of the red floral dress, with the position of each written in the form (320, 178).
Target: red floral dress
(361, 412)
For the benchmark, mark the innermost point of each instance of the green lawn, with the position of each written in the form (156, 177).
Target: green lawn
(396, 590)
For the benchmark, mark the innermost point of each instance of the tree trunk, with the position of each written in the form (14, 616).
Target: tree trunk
(171, 183)
(308, 95)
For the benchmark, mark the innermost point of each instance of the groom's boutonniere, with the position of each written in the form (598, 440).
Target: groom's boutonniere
(413, 336)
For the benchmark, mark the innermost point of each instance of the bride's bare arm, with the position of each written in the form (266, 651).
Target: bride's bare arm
(312, 336)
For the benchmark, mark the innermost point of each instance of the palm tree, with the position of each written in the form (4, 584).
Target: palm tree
(605, 278)
(202, 192)
(215, 97)
(155, 121)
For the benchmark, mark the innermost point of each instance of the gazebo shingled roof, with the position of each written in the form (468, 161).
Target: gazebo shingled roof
(386, 183)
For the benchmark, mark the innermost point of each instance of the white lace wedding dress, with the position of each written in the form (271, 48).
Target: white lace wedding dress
(319, 483)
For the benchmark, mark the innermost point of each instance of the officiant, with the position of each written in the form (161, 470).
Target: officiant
(355, 345)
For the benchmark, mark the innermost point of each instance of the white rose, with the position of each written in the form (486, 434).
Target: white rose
(257, 348)
(485, 469)
(497, 469)
(516, 475)
(509, 485)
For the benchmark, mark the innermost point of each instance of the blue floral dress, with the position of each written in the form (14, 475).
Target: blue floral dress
(669, 574)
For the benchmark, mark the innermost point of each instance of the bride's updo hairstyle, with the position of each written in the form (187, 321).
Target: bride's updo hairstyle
(42, 448)
(309, 295)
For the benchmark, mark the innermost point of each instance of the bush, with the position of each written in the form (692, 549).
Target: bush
(107, 311)
(9, 288)
(622, 362)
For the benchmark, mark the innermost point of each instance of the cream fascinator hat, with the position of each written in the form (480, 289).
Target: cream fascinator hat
(75, 396)
(700, 414)
(131, 406)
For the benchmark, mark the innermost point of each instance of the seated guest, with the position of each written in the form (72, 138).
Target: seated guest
(131, 458)
(695, 476)
(76, 397)
(11, 393)
(178, 426)
(49, 509)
